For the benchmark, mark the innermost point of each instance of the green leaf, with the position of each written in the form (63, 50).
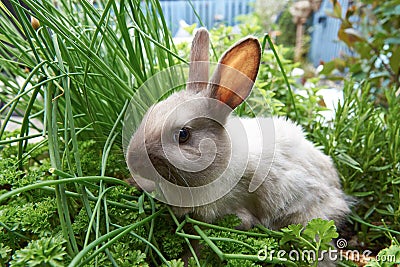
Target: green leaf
(292, 232)
(349, 35)
(4, 253)
(386, 257)
(47, 251)
(380, 168)
(337, 10)
(363, 194)
(384, 212)
(175, 263)
(321, 231)
(395, 59)
(328, 68)
(348, 160)
(396, 181)
(141, 204)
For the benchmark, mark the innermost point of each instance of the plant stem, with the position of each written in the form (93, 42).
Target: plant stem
(271, 45)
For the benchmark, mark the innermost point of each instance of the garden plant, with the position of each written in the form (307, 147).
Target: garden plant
(68, 71)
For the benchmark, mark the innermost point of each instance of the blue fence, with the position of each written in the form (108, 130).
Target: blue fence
(325, 44)
(211, 12)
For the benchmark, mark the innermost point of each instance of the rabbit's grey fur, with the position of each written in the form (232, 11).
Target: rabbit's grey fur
(302, 183)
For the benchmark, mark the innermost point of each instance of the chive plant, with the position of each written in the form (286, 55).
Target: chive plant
(89, 58)
(80, 63)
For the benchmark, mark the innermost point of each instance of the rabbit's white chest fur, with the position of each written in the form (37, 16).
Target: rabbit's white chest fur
(297, 182)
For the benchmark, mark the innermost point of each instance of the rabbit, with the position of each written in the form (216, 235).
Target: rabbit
(203, 160)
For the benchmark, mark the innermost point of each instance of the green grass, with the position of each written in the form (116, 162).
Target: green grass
(81, 67)
(84, 57)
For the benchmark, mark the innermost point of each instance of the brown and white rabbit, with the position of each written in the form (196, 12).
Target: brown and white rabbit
(205, 161)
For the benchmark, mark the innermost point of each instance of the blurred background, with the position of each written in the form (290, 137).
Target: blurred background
(304, 25)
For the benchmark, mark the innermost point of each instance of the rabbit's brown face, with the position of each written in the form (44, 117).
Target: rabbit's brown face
(185, 145)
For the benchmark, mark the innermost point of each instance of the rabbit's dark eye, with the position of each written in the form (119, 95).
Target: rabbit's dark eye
(184, 135)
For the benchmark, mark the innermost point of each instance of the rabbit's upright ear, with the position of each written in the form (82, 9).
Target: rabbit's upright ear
(237, 70)
(199, 61)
